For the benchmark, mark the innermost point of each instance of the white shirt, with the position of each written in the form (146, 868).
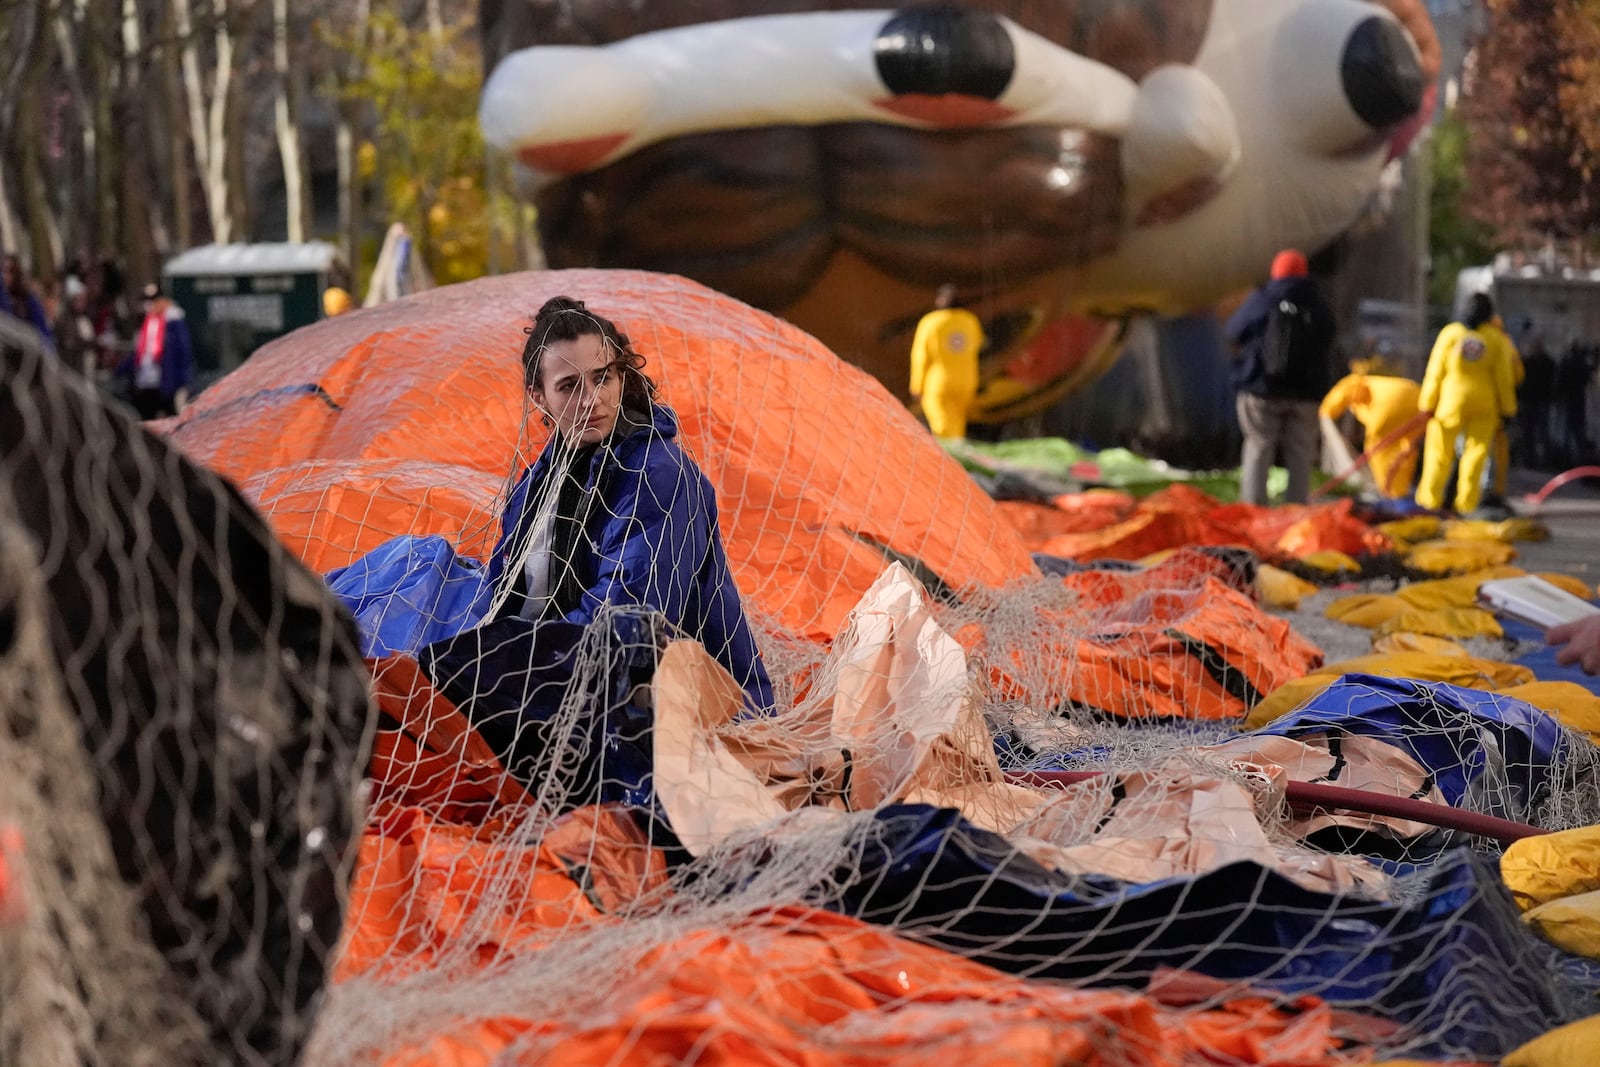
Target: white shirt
(536, 569)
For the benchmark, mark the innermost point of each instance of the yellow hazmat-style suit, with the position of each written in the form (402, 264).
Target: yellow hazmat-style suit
(1382, 404)
(1500, 454)
(944, 368)
(1468, 389)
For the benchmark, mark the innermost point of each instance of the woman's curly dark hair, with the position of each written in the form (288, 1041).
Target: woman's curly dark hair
(563, 318)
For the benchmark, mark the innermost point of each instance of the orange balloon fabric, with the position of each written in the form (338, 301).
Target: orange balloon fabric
(408, 419)
(784, 986)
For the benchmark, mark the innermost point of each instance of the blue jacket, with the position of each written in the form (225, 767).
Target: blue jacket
(650, 538)
(1310, 374)
(32, 312)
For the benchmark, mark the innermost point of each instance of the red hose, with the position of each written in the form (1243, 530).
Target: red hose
(1408, 430)
(1573, 475)
(1305, 796)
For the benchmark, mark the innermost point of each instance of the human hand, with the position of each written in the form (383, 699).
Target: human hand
(1581, 643)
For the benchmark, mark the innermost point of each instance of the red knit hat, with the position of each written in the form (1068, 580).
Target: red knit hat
(1289, 264)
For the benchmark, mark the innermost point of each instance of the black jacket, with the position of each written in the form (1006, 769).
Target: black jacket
(1310, 371)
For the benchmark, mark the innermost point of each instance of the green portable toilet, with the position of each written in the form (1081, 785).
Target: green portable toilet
(237, 297)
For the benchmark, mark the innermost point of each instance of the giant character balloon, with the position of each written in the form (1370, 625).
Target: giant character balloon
(1065, 163)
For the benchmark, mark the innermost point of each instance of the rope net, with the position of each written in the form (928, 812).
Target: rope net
(553, 810)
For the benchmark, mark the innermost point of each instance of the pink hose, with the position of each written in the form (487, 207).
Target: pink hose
(1305, 796)
(1573, 475)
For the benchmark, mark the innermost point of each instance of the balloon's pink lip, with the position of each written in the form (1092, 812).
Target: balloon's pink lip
(1057, 351)
(570, 157)
(946, 110)
(1406, 134)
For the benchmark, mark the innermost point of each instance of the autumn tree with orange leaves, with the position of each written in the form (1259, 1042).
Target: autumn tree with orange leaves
(1532, 109)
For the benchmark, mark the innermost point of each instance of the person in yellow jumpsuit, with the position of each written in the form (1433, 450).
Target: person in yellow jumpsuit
(944, 364)
(1382, 403)
(1500, 452)
(1468, 393)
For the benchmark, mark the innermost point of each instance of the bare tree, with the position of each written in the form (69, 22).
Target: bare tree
(209, 95)
(286, 118)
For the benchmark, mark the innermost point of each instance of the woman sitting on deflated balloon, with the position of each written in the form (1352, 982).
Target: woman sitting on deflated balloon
(612, 514)
(613, 511)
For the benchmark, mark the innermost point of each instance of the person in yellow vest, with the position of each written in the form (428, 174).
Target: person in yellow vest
(944, 364)
(1500, 451)
(1382, 403)
(1467, 392)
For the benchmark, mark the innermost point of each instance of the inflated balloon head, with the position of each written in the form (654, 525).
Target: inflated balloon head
(1289, 264)
(1072, 163)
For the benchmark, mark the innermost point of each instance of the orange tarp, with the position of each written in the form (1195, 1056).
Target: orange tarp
(790, 985)
(1098, 525)
(424, 752)
(406, 418)
(1175, 640)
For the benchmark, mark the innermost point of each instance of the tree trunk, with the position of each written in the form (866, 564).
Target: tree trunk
(102, 70)
(237, 180)
(178, 155)
(132, 185)
(209, 125)
(345, 148)
(286, 116)
(346, 71)
(10, 223)
(44, 232)
(77, 192)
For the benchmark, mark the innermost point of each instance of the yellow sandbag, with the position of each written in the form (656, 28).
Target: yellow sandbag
(1369, 610)
(1458, 592)
(1331, 561)
(1571, 923)
(1458, 557)
(1522, 528)
(1574, 1045)
(1507, 530)
(1284, 699)
(1501, 675)
(1473, 530)
(1390, 644)
(1576, 586)
(1280, 589)
(1572, 705)
(1447, 622)
(1540, 869)
(1417, 528)
(1457, 670)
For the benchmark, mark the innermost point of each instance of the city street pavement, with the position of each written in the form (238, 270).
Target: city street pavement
(1573, 515)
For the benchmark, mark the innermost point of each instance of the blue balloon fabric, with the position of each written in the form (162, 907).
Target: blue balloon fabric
(1487, 752)
(410, 592)
(1453, 966)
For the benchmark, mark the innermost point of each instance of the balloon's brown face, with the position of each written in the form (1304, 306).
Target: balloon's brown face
(835, 162)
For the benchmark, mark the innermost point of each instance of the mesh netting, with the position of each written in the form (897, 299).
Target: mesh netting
(957, 807)
(184, 712)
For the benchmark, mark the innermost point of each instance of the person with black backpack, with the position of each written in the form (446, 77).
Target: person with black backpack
(1284, 335)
